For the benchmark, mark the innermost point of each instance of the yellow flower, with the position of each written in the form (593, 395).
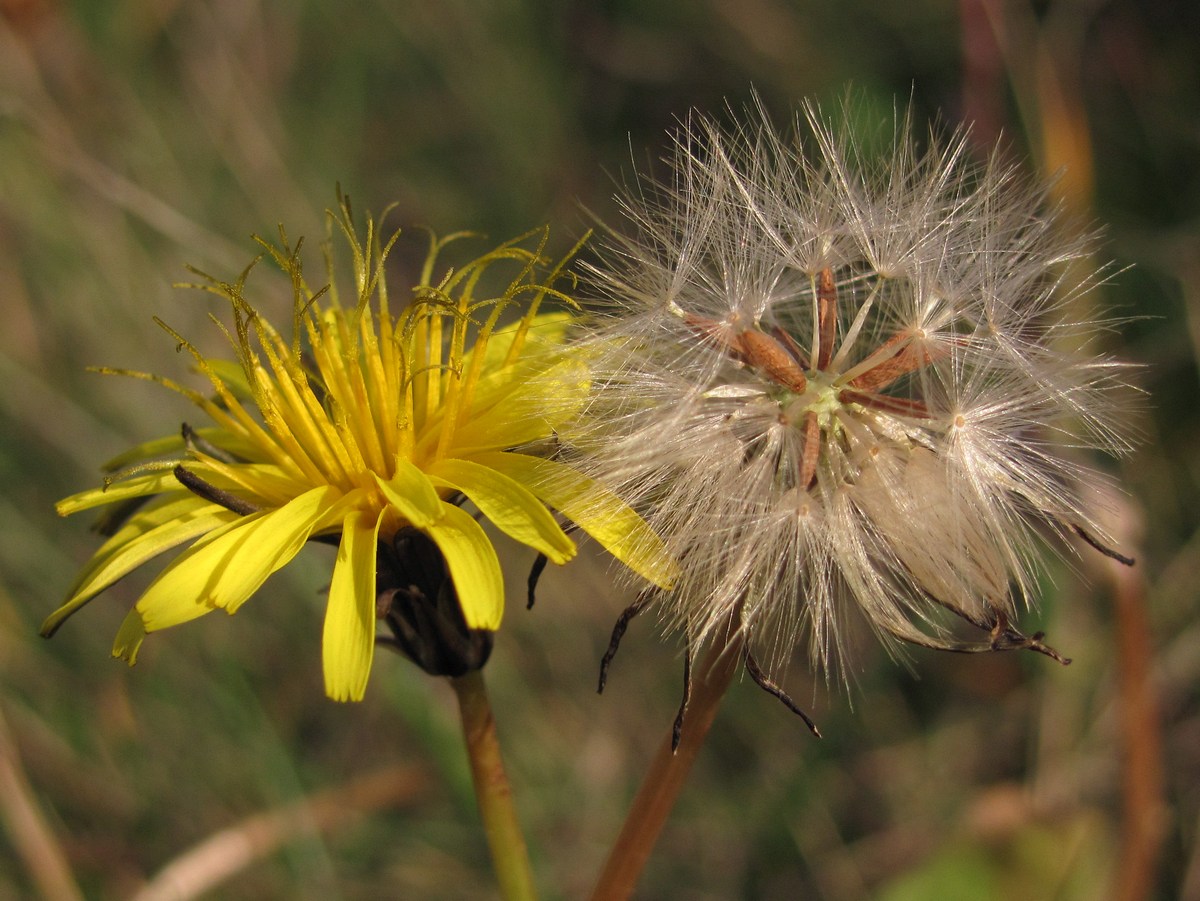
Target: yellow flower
(369, 426)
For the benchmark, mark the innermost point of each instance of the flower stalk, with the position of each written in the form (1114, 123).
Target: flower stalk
(669, 770)
(510, 858)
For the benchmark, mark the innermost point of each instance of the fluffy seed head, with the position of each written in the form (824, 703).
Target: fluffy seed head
(845, 385)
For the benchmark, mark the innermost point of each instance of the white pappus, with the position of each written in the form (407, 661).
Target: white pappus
(839, 384)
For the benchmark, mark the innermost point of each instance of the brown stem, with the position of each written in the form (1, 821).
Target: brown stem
(667, 773)
(1143, 805)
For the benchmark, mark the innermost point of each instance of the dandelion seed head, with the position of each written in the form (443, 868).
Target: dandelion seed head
(845, 387)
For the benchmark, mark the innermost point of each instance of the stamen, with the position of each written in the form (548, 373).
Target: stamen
(302, 417)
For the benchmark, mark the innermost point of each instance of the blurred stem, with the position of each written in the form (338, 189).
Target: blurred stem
(664, 781)
(1144, 813)
(203, 868)
(510, 859)
(32, 837)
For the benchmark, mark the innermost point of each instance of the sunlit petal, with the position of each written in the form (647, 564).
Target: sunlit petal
(474, 567)
(131, 635)
(348, 645)
(412, 494)
(512, 412)
(224, 571)
(145, 536)
(512, 507)
(595, 509)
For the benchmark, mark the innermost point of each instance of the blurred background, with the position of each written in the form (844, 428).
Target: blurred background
(136, 137)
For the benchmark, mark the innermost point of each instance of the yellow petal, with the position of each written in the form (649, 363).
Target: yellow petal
(348, 644)
(510, 411)
(473, 565)
(513, 508)
(146, 535)
(130, 637)
(593, 508)
(412, 494)
(544, 332)
(137, 486)
(227, 566)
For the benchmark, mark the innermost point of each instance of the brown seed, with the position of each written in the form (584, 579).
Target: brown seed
(766, 354)
(826, 318)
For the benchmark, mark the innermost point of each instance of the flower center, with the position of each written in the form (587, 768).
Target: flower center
(821, 398)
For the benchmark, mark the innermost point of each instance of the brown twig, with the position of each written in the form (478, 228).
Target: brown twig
(32, 838)
(224, 854)
(668, 771)
(1143, 804)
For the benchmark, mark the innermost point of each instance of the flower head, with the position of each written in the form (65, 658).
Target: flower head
(840, 385)
(369, 430)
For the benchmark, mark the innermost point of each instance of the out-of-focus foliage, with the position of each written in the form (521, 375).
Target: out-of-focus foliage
(138, 137)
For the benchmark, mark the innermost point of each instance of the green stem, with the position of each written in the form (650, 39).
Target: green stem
(667, 773)
(510, 859)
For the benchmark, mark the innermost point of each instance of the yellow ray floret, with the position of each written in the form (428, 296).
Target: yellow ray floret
(361, 424)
